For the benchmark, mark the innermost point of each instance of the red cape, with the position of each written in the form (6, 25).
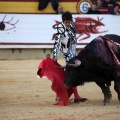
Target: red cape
(47, 68)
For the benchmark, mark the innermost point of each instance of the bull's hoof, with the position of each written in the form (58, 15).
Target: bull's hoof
(105, 102)
(80, 100)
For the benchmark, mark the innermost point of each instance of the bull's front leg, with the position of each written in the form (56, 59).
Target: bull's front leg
(107, 95)
(106, 92)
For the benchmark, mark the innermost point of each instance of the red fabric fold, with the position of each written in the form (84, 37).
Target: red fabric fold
(47, 68)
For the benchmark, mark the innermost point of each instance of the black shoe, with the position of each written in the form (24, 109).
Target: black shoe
(58, 99)
(80, 100)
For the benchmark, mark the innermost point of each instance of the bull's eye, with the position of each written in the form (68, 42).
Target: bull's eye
(92, 23)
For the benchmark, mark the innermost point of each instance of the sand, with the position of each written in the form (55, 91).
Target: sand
(24, 96)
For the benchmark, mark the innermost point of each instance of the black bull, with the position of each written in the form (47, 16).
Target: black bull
(99, 64)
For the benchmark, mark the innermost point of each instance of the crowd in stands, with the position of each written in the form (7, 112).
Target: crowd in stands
(111, 5)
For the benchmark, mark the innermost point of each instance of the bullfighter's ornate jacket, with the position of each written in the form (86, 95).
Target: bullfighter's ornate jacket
(65, 41)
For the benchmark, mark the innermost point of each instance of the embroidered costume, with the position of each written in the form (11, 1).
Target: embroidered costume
(65, 41)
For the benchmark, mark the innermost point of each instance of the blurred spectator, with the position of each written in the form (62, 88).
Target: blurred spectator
(94, 9)
(59, 10)
(115, 10)
(109, 3)
(99, 2)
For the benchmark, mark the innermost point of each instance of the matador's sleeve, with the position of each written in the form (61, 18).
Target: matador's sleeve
(72, 33)
(59, 32)
(56, 47)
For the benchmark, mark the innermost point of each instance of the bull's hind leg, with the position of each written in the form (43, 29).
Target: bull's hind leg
(108, 84)
(117, 83)
(106, 91)
(117, 87)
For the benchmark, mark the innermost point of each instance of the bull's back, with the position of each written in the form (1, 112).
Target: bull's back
(114, 37)
(97, 57)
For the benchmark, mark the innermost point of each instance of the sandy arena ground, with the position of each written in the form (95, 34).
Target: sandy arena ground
(23, 96)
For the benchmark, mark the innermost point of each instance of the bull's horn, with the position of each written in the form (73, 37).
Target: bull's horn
(77, 64)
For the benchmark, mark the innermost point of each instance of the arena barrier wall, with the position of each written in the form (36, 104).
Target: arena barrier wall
(19, 32)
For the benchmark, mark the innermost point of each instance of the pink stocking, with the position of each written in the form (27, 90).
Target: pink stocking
(76, 95)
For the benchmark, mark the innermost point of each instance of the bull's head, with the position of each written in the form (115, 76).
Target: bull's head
(72, 72)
